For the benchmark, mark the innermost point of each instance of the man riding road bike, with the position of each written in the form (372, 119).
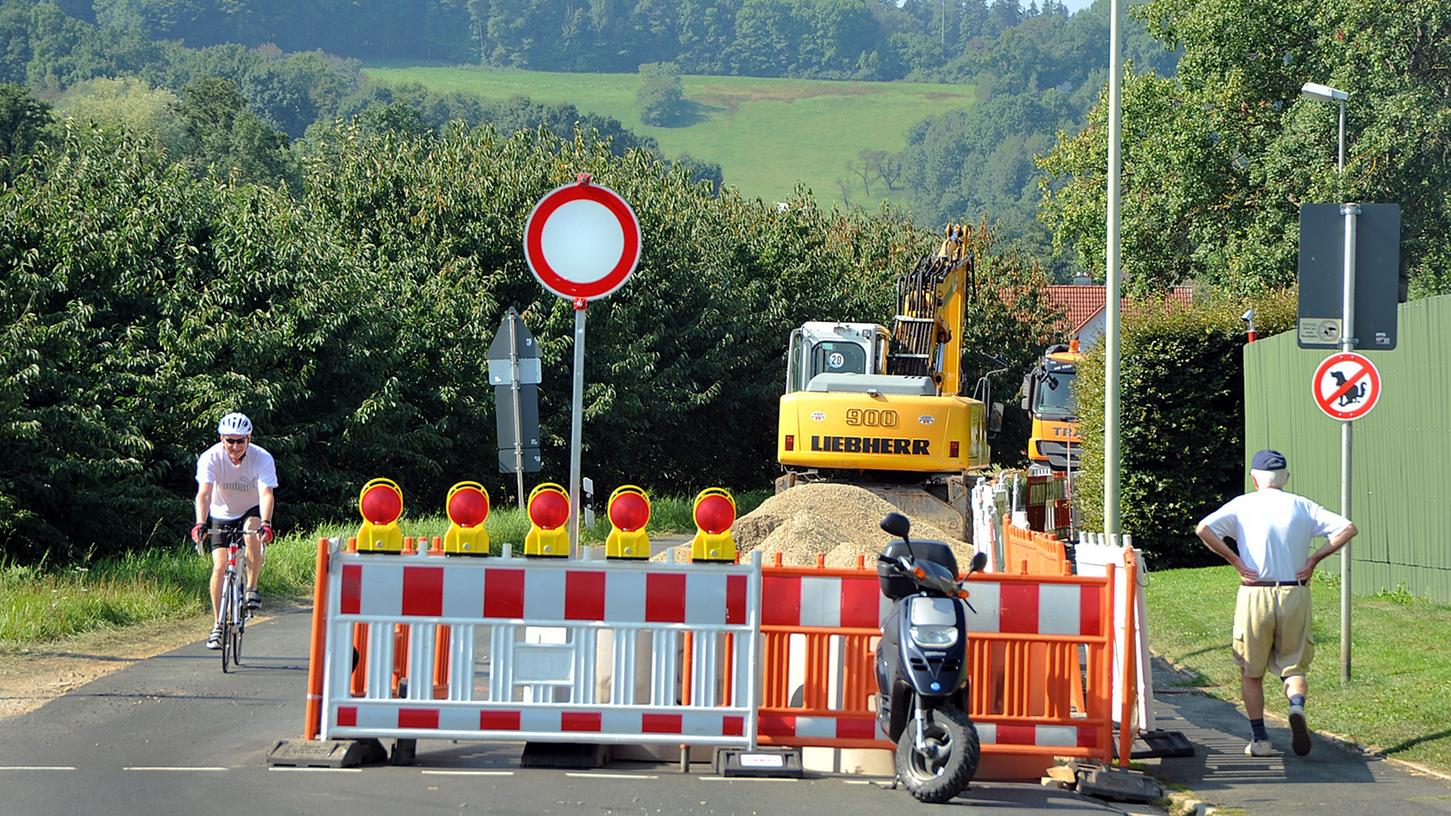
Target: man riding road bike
(235, 480)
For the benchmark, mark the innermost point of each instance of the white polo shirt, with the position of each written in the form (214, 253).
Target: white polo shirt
(235, 488)
(1273, 529)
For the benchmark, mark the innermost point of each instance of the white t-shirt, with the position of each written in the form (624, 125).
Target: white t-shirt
(235, 488)
(1273, 529)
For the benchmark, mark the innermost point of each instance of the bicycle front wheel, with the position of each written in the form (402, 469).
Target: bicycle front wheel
(229, 592)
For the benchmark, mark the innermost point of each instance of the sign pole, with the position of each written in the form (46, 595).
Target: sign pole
(575, 427)
(514, 394)
(1347, 344)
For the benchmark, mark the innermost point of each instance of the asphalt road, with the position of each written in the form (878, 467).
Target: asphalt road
(174, 735)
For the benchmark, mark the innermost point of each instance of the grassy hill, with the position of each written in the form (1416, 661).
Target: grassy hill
(766, 133)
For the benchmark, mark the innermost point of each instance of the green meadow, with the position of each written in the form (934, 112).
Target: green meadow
(767, 134)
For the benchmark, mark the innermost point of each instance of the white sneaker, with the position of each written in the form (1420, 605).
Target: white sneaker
(1259, 748)
(1299, 731)
(214, 640)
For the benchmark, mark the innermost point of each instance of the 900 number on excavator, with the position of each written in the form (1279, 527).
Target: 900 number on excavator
(871, 417)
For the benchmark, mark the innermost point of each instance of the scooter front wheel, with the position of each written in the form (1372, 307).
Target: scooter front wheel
(943, 765)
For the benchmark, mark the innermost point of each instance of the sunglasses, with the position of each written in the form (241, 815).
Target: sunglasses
(237, 441)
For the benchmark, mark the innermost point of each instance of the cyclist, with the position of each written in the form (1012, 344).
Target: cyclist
(234, 480)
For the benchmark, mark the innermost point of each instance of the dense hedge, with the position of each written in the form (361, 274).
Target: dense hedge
(1181, 425)
(139, 304)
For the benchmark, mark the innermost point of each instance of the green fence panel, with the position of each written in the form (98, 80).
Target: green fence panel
(1401, 451)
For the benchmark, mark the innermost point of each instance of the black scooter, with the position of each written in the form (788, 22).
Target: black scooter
(922, 686)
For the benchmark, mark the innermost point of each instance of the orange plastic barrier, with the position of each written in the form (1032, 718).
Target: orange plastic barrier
(1027, 552)
(1032, 639)
(318, 644)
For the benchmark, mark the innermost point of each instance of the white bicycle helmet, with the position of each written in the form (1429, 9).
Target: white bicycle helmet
(235, 423)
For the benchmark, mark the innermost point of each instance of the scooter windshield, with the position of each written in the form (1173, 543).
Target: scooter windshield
(937, 576)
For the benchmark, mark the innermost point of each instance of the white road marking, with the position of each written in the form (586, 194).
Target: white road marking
(317, 770)
(611, 776)
(468, 773)
(751, 778)
(170, 768)
(37, 767)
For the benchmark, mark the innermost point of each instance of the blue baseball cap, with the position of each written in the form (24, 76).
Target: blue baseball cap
(1269, 460)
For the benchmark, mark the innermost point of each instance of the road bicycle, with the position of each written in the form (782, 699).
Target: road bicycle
(232, 611)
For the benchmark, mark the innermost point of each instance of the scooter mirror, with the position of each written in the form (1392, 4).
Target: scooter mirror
(979, 562)
(896, 524)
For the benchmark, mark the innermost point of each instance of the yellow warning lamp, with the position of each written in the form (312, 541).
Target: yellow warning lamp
(629, 512)
(467, 506)
(381, 504)
(715, 512)
(548, 508)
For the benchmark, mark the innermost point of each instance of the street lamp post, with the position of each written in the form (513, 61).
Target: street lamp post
(1112, 285)
(1315, 90)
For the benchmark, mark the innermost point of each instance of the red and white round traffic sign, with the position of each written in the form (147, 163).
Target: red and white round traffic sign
(1346, 386)
(582, 241)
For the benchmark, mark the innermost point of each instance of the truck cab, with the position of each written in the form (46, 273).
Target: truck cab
(1048, 397)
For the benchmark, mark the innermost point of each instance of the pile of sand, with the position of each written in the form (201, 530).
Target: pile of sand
(836, 520)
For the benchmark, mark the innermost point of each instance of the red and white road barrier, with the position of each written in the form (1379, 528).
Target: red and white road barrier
(550, 626)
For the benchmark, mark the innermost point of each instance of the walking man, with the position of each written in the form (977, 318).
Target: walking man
(1272, 613)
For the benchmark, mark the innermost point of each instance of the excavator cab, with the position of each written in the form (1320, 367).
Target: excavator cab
(820, 347)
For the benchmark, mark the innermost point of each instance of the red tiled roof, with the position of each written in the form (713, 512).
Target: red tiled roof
(1082, 303)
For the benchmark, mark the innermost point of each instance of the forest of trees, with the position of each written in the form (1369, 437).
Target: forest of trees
(857, 39)
(1037, 71)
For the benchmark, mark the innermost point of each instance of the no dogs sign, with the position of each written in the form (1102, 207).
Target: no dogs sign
(1346, 386)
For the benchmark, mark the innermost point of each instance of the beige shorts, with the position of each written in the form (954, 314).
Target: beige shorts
(1272, 630)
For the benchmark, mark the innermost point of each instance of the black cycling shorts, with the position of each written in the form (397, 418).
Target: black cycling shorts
(229, 527)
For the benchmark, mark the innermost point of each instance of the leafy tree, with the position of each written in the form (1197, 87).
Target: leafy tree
(23, 120)
(661, 96)
(130, 104)
(222, 136)
(1218, 160)
(979, 164)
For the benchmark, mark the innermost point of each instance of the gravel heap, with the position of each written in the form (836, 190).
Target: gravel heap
(837, 520)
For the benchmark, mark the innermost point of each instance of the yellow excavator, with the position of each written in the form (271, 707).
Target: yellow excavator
(888, 409)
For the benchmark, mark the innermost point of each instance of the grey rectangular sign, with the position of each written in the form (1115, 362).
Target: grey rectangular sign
(501, 372)
(1322, 272)
(528, 415)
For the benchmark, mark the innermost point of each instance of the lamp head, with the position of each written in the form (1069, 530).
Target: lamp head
(1315, 90)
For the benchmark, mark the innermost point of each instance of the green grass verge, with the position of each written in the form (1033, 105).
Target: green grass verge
(1396, 700)
(766, 133)
(42, 606)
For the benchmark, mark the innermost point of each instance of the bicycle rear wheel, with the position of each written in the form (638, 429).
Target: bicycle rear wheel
(237, 631)
(226, 644)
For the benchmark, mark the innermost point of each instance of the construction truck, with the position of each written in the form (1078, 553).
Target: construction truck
(888, 409)
(1053, 441)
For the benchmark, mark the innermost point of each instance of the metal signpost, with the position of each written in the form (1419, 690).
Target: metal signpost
(1356, 246)
(514, 371)
(582, 242)
(1352, 250)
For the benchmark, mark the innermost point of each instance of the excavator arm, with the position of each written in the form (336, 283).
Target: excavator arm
(931, 312)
